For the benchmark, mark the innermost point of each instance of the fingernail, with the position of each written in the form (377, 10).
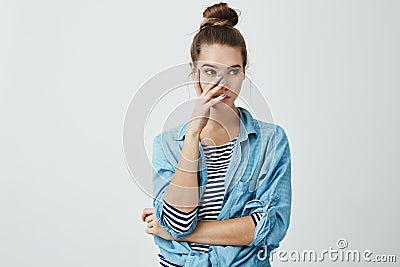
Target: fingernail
(222, 82)
(223, 95)
(219, 74)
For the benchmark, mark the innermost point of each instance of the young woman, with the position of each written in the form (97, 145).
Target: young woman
(230, 206)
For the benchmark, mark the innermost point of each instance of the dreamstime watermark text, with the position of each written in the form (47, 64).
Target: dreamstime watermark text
(341, 253)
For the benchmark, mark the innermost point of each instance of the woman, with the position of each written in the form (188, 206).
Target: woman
(231, 206)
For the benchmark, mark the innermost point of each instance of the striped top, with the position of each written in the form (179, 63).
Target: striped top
(217, 161)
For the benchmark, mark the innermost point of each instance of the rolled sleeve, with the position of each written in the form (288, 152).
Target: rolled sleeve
(273, 196)
(162, 173)
(256, 216)
(179, 221)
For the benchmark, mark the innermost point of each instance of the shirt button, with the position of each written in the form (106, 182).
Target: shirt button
(210, 249)
(192, 253)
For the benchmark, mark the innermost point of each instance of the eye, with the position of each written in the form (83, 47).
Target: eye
(210, 72)
(234, 71)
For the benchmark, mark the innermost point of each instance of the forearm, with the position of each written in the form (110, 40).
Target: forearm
(231, 232)
(182, 192)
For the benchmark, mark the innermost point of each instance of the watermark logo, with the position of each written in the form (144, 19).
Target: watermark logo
(342, 243)
(339, 254)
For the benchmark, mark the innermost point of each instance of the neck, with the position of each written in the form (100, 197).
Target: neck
(224, 117)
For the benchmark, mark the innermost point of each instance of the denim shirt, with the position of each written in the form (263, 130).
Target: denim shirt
(258, 179)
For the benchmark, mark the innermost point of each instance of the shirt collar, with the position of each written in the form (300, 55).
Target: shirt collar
(247, 127)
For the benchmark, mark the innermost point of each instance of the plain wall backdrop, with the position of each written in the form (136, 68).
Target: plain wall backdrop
(68, 70)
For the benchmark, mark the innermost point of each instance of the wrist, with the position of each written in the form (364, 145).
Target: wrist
(193, 134)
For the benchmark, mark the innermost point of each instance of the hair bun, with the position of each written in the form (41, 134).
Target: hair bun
(219, 15)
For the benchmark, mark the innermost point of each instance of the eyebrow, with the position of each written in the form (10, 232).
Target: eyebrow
(212, 66)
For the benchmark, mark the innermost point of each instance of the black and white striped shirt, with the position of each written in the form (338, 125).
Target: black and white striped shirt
(217, 160)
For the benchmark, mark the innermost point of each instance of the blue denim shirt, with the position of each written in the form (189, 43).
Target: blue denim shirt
(258, 179)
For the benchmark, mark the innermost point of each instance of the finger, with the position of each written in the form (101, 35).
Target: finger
(212, 84)
(146, 212)
(214, 101)
(215, 90)
(150, 218)
(151, 224)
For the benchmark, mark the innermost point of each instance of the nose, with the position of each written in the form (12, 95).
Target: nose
(224, 88)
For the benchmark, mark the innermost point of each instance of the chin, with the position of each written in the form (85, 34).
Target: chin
(223, 105)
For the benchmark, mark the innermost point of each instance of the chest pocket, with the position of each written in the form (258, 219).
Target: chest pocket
(240, 194)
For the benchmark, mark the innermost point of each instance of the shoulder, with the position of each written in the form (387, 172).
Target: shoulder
(267, 127)
(264, 130)
(269, 130)
(170, 135)
(165, 147)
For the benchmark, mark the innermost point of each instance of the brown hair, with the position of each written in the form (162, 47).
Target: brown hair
(218, 28)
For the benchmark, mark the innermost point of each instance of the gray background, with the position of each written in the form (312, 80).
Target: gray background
(68, 69)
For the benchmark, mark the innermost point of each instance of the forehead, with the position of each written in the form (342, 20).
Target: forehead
(221, 54)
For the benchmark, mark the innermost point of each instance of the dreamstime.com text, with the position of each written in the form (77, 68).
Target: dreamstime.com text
(332, 254)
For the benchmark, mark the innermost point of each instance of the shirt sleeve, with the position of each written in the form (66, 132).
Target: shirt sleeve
(178, 221)
(272, 202)
(256, 216)
(164, 166)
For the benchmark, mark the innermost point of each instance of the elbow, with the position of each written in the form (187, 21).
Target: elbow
(279, 228)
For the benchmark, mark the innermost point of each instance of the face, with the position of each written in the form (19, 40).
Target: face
(225, 59)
